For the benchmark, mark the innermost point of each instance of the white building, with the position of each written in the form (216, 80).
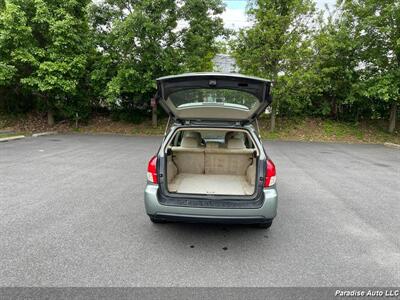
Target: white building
(224, 63)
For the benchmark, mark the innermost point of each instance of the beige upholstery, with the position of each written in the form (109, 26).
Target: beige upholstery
(233, 135)
(251, 174)
(190, 142)
(188, 160)
(177, 149)
(172, 170)
(189, 157)
(235, 144)
(212, 160)
(211, 184)
(192, 134)
(218, 162)
(214, 169)
(229, 151)
(212, 145)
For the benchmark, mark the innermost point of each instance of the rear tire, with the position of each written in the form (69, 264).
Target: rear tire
(265, 225)
(156, 220)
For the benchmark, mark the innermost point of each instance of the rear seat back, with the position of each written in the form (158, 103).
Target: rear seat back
(227, 161)
(235, 136)
(189, 157)
(213, 145)
(235, 144)
(192, 158)
(192, 134)
(190, 142)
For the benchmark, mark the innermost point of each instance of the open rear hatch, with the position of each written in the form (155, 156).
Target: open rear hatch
(214, 96)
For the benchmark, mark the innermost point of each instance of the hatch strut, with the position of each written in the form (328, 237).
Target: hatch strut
(258, 129)
(166, 127)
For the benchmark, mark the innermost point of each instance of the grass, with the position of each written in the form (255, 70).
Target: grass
(295, 129)
(309, 129)
(6, 135)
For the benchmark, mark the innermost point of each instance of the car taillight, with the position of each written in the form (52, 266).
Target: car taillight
(152, 170)
(270, 176)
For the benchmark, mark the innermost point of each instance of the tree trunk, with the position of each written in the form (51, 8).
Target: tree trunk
(273, 117)
(50, 117)
(334, 109)
(154, 116)
(275, 106)
(357, 117)
(393, 116)
(275, 102)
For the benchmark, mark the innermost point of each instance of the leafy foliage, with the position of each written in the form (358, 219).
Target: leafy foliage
(140, 41)
(198, 39)
(277, 47)
(44, 49)
(72, 55)
(344, 65)
(335, 66)
(67, 57)
(377, 32)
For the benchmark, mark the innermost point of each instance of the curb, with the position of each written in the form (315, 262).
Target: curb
(392, 145)
(16, 137)
(44, 133)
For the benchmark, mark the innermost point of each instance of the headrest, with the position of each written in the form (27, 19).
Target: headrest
(189, 142)
(212, 145)
(233, 135)
(235, 144)
(193, 134)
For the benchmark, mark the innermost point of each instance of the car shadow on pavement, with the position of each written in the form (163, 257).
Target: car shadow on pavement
(210, 236)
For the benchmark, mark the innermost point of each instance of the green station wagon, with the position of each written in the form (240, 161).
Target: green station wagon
(211, 165)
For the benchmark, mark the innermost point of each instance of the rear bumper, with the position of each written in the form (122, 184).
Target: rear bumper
(208, 219)
(266, 212)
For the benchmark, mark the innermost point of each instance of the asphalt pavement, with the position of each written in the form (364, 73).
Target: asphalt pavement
(72, 214)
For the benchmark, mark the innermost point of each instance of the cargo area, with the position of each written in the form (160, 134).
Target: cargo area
(211, 162)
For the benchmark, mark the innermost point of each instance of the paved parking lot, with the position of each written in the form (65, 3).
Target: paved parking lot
(72, 214)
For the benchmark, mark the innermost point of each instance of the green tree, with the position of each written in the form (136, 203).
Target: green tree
(17, 48)
(199, 37)
(44, 46)
(334, 62)
(377, 32)
(276, 46)
(136, 42)
(62, 31)
(143, 47)
(140, 41)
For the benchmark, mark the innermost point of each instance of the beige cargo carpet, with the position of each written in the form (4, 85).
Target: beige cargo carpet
(186, 183)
